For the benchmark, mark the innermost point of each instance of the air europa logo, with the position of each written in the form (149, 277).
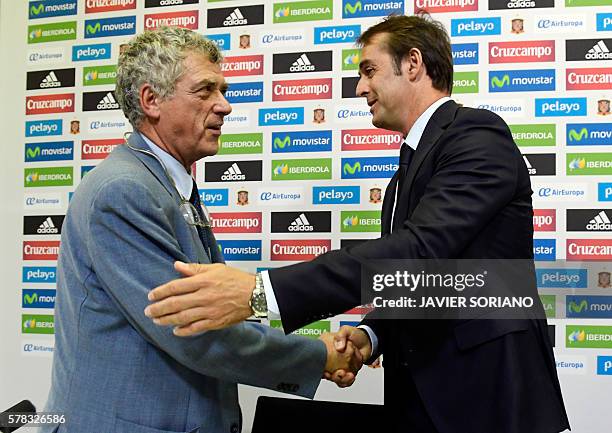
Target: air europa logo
(521, 52)
(302, 169)
(236, 222)
(589, 134)
(370, 139)
(437, 6)
(365, 168)
(52, 8)
(46, 104)
(522, 80)
(298, 249)
(95, 6)
(98, 149)
(243, 65)
(371, 8)
(589, 79)
(116, 26)
(302, 141)
(40, 250)
(184, 19)
(49, 151)
(313, 10)
(42, 33)
(294, 90)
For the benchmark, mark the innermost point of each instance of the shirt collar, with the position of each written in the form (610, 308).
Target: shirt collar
(182, 179)
(416, 132)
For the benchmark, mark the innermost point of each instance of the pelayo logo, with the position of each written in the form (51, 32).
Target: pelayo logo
(47, 176)
(52, 8)
(579, 164)
(235, 144)
(476, 26)
(49, 151)
(556, 107)
(371, 8)
(42, 33)
(338, 194)
(336, 34)
(522, 80)
(562, 278)
(302, 169)
(281, 116)
(360, 221)
(366, 168)
(37, 324)
(214, 197)
(43, 128)
(38, 274)
(222, 41)
(604, 22)
(105, 27)
(534, 134)
(589, 134)
(588, 337)
(302, 141)
(91, 52)
(314, 10)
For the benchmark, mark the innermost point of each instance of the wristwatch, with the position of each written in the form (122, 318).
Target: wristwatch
(258, 299)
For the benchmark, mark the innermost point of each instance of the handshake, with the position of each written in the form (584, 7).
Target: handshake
(347, 350)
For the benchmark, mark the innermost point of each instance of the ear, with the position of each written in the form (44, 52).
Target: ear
(412, 64)
(149, 101)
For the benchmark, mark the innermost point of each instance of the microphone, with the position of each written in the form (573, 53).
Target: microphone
(24, 406)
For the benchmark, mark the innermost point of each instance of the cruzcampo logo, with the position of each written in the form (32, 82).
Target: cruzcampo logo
(40, 33)
(47, 176)
(37, 324)
(314, 330)
(579, 164)
(360, 221)
(534, 135)
(579, 3)
(499, 83)
(302, 169)
(303, 11)
(98, 75)
(588, 337)
(549, 303)
(465, 82)
(236, 144)
(351, 59)
(348, 169)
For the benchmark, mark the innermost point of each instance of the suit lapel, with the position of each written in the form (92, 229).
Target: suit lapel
(440, 120)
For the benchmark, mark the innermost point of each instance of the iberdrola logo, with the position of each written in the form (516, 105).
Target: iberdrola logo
(352, 59)
(91, 76)
(281, 169)
(36, 33)
(577, 336)
(351, 169)
(282, 12)
(578, 136)
(577, 163)
(350, 9)
(29, 324)
(350, 221)
(280, 144)
(32, 177)
(497, 83)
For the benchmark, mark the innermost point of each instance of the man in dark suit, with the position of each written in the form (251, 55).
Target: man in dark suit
(462, 191)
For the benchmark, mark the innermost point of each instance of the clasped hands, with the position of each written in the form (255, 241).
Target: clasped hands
(346, 352)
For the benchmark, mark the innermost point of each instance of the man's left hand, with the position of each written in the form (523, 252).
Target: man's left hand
(210, 297)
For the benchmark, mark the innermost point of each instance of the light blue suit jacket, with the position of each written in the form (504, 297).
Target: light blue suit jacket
(114, 371)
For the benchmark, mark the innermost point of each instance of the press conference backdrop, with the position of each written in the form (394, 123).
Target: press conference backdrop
(300, 169)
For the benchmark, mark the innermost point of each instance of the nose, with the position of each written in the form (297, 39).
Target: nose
(223, 106)
(362, 88)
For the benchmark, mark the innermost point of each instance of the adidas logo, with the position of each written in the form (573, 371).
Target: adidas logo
(599, 51)
(233, 173)
(235, 19)
(108, 102)
(529, 166)
(302, 64)
(600, 222)
(47, 228)
(301, 224)
(50, 81)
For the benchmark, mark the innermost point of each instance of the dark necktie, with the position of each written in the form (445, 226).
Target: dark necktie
(406, 154)
(205, 233)
(395, 188)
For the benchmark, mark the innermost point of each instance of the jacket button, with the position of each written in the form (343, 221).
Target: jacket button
(234, 428)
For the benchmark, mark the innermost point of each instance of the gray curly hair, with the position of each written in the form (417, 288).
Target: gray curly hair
(156, 57)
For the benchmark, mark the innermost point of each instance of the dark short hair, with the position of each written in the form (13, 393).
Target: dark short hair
(404, 33)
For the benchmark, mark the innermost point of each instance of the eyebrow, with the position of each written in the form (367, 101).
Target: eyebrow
(208, 83)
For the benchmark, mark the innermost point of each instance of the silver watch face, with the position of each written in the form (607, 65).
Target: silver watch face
(259, 304)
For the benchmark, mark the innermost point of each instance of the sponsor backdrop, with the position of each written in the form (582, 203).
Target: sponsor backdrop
(300, 169)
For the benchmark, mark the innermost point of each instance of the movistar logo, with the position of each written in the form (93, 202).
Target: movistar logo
(280, 144)
(37, 10)
(92, 30)
(496, 82)
(350, 9)
(33, 153)
(578, 308)
(578, 136)
(31, 299)
(348, 169)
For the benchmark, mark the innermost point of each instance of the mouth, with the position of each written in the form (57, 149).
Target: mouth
(371, 105)
(215, 128)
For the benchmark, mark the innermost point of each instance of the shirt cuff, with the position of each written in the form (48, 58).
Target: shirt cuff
(373, 340)
(273, 310)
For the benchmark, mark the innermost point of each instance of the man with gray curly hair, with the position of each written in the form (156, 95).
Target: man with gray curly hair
(129, 220)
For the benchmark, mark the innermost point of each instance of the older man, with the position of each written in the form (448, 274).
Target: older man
(129, 220)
